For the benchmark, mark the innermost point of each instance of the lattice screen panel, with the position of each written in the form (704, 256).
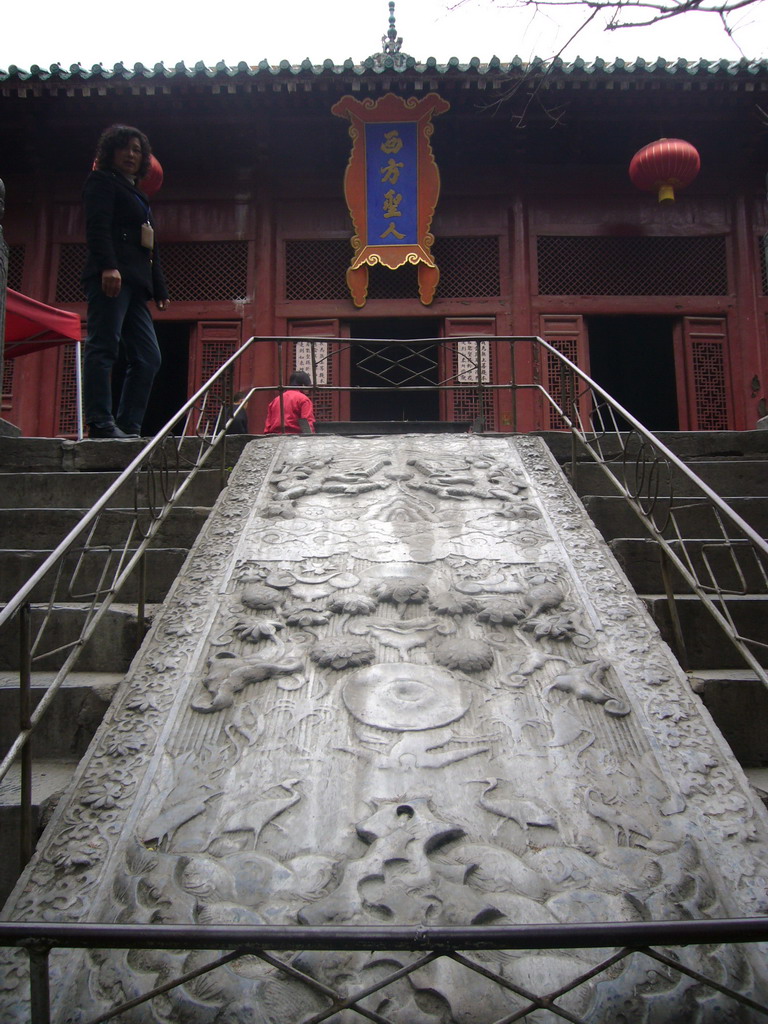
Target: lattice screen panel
(7, 393)
(206, 271)
(194, 271)
(709, 385)
(322, 402)
(555, 384)
(15, 266)
(763, 248)
(468, 405)
(214, 353)
(669, 265)
(469, 266)
(315, 270)
(68, 391)
(71, 262)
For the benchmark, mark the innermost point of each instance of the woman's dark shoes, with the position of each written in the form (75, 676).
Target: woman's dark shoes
(111, 430)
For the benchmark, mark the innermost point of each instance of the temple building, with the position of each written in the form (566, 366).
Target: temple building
(536, 226)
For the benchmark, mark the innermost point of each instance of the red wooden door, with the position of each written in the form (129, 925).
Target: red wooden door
(211, 344)
(470, 364)
(327, 364)
(568, 334)
(704, 399)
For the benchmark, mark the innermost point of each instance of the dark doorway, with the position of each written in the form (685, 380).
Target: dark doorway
(169, 391)
(632, 358)
(387, 360)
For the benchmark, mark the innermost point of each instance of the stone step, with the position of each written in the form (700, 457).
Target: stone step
(736, 568)
(363, 427)
(110, 649)
(738, 702)
(162, 568)
(63, 490)
(727, 477)
(50, 526)
(705, 642)
(70, 722)
(50, 778)
(614, 518)
(688, 445)
(758, 779)
(51, 454)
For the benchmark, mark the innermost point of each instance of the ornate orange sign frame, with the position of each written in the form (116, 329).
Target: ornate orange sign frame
(392, 183)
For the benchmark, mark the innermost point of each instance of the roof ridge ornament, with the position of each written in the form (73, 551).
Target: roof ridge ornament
(391, 45)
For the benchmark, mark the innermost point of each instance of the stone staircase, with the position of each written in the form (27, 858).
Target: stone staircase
(46, 485)
(735, 465)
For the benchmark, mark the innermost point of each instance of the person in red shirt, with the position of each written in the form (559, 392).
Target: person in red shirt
(296, 406)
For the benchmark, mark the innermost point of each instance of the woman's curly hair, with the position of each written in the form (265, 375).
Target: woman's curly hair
(117, 136)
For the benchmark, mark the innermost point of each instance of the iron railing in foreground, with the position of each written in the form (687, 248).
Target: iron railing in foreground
(724, 561)
(617, 942)
(94, 561)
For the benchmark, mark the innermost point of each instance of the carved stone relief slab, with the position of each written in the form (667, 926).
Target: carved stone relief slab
(400, 681)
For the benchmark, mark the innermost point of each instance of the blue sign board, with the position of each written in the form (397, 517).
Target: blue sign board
(391, 162)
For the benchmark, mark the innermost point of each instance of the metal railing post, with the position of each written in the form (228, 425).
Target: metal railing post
(574, 461)
(674, 616)
(26, 845)
(141, 599)
(513, 383)
(39, 983)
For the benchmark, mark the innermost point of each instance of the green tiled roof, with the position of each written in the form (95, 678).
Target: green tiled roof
(388, 65)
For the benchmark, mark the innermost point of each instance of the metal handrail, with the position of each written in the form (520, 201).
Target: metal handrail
(202, 429)
(646, 482)
(627, 938)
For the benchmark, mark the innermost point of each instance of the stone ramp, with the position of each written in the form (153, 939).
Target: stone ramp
(400, 681)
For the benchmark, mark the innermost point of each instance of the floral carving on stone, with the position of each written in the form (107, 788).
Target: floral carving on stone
(342, 652)
(465, 655)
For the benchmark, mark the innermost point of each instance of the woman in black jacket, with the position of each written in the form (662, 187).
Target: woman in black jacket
(122, 272)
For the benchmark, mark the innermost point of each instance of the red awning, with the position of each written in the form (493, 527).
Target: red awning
(31, 325)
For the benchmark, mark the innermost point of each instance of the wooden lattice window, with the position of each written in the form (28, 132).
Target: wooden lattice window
(469, 404)
(7, 394)
(15, 266)
(206, 271)
(664, 265)
(315, 270)
(569, 348)
(218, 341)
(67, 422)
(469, 266)
(709, 385)
(194, 271)
(762, 244)
(69, 288)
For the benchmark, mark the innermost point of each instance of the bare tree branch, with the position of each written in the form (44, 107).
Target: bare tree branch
(636, 13)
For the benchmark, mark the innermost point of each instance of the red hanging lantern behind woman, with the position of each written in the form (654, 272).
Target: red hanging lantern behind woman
(153, 179)
(663, 166)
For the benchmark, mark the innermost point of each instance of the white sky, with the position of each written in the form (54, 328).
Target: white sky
(85, 31)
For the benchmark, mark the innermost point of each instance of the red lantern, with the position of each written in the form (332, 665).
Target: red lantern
(153, 179)
(664, 165)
